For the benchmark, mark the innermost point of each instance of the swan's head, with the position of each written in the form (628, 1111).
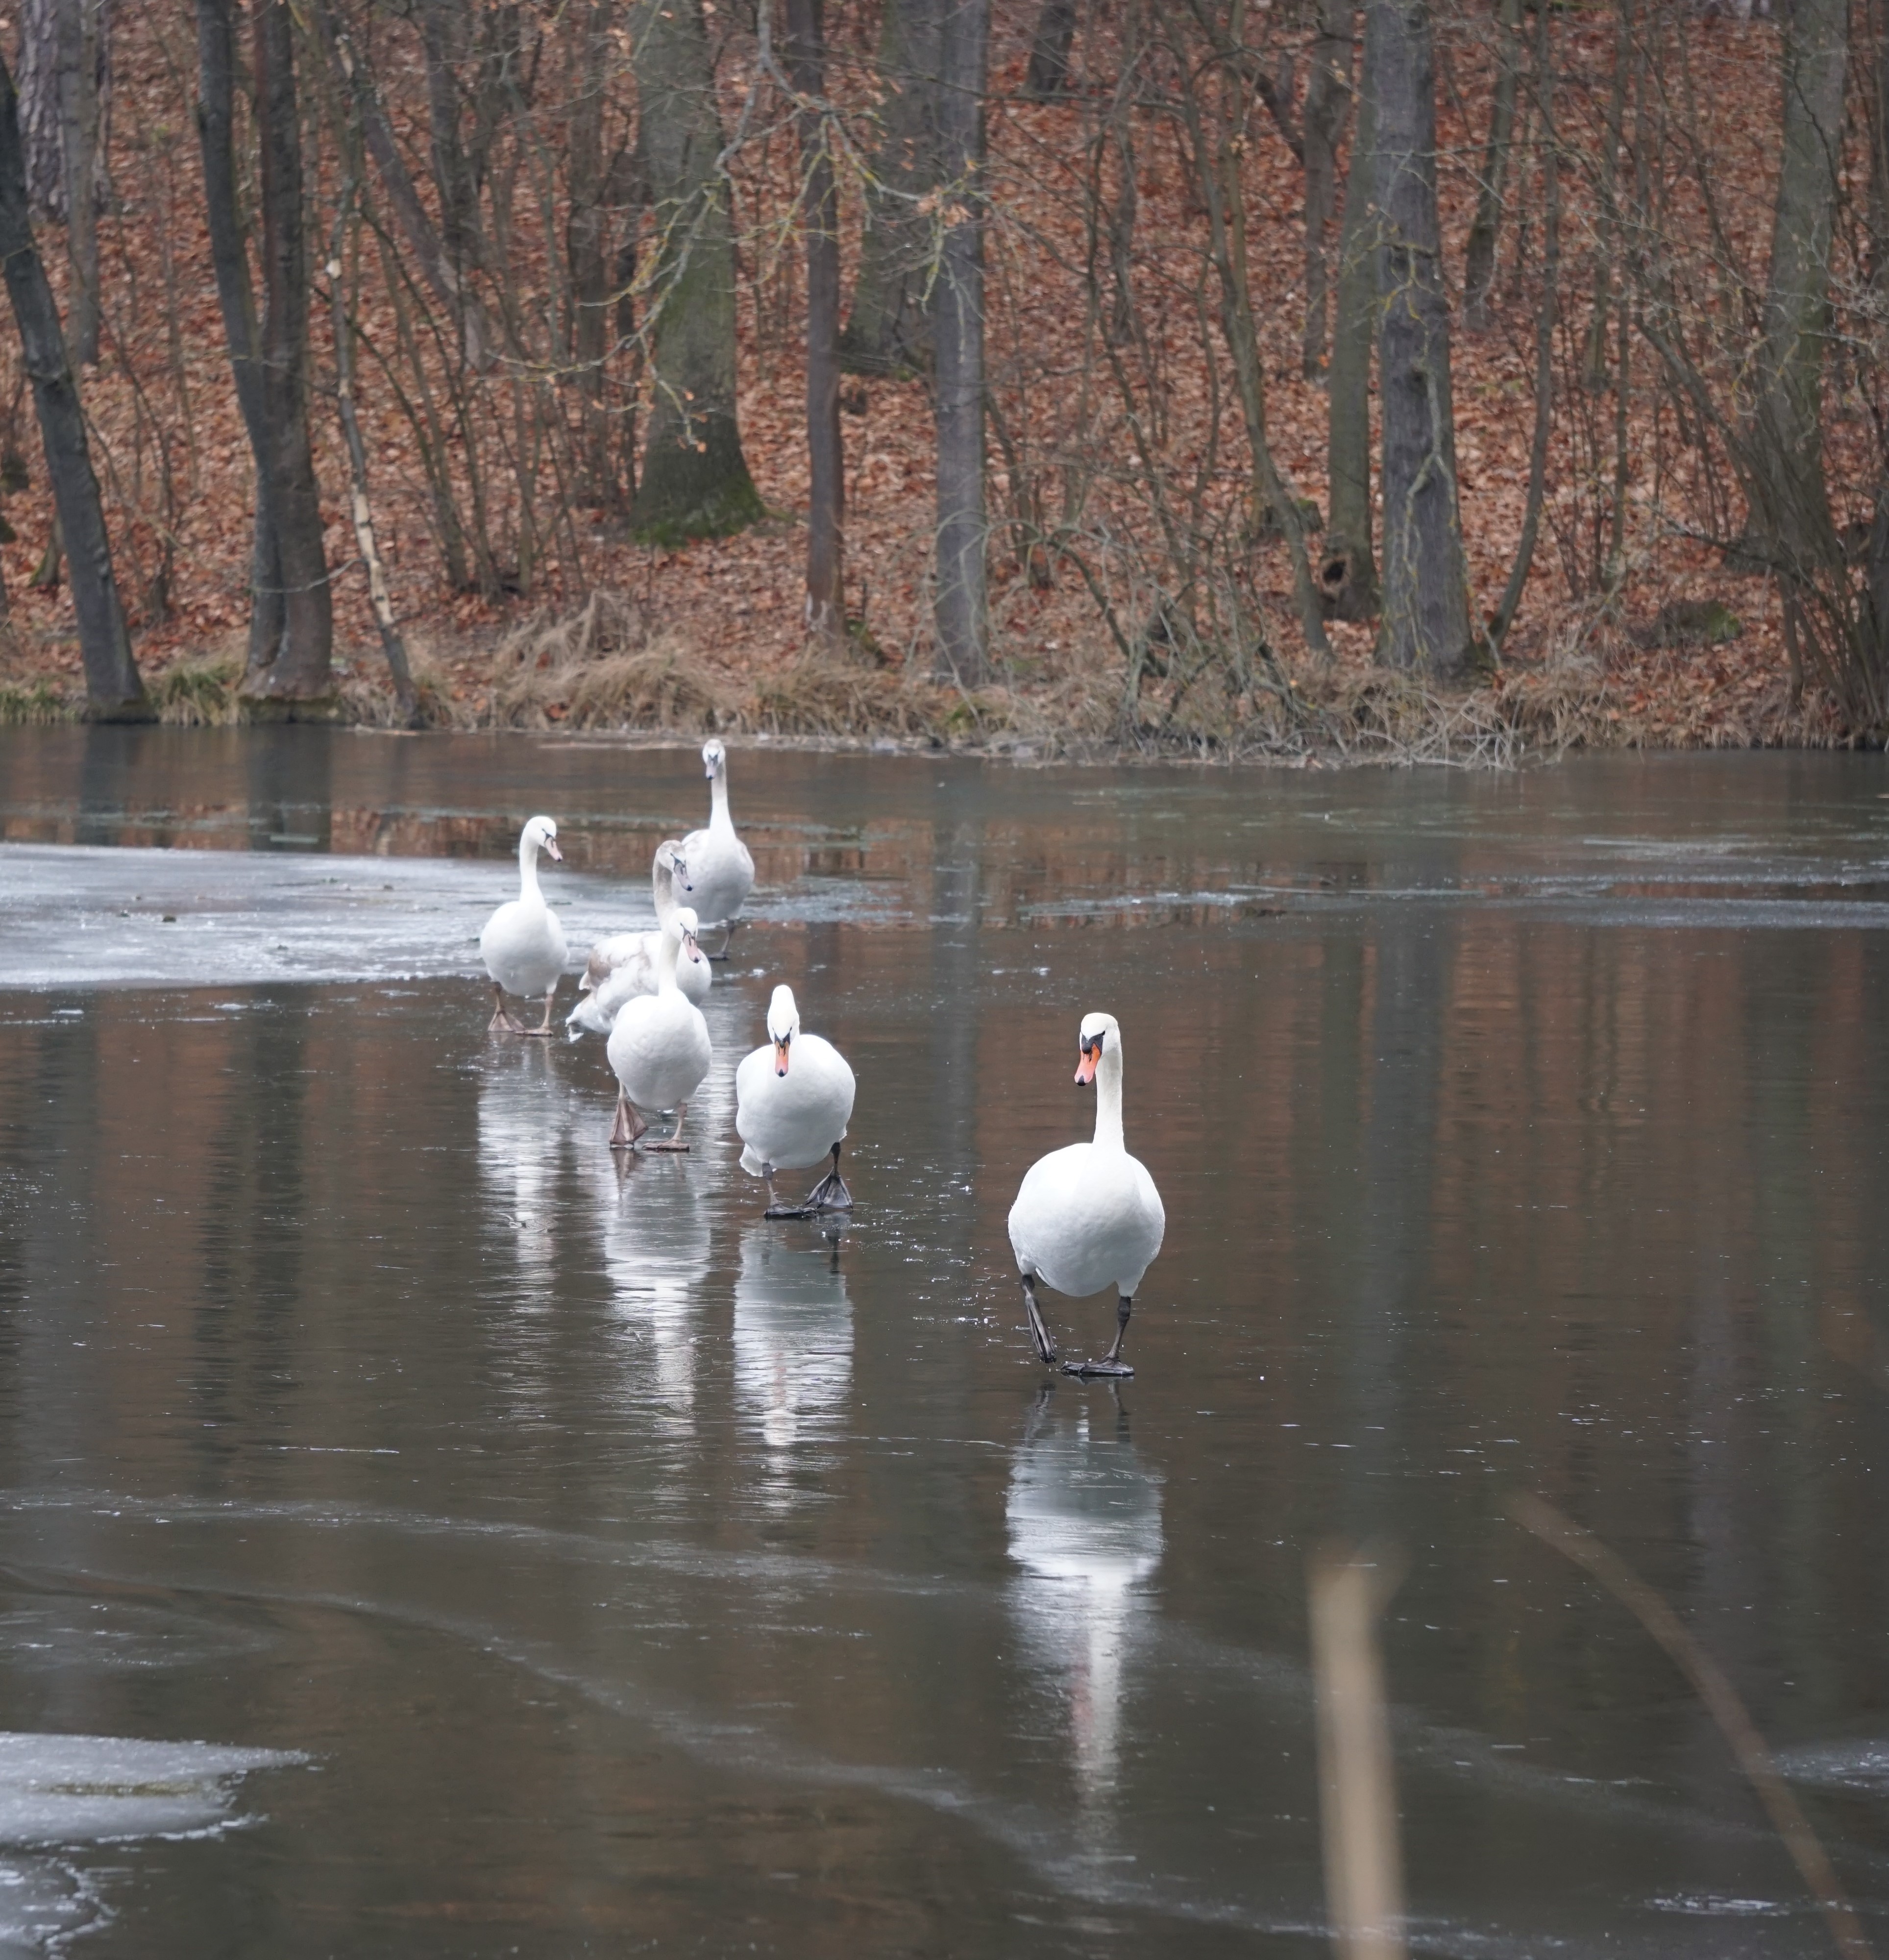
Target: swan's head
(1098, 1031)
(714, 758)
(541, 834)
(784, 1023)
(668, 854)
(687, 925)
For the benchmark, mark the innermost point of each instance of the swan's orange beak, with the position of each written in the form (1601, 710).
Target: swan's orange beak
(1085, 1068)
(550, 845)
(780, 1057)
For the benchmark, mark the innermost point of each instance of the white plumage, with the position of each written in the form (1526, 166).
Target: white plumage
(1088, 1216)
(720, 868)
(660, 1048)
(623, 965)
(794, 1098)
(523, 945)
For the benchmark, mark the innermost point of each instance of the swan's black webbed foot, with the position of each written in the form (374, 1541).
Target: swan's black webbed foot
(1045, 1346)
(1110, 1363)
(829, 1195)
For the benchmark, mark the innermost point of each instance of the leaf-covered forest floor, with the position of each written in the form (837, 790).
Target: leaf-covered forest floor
(711, 636)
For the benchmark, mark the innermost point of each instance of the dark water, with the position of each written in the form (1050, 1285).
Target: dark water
(609, 1571)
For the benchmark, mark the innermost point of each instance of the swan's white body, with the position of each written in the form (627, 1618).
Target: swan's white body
(1088, 1216)
(523, 945)
(793, 1097)
(660, 1048)
(720, 868)
(624, 965)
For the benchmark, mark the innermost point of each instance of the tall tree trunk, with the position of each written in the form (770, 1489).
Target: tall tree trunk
(587, 268)
(694, 480)
(229, 259)
(299, 678)
(1048, 76)
(961, 614)
(1327, 104)
(826, 465)
(1426, 618)
(1347, 574)
(113, 691)
(42, 106)
(889, 329)
(1479, 260)
(83, 27)
(1791, 501)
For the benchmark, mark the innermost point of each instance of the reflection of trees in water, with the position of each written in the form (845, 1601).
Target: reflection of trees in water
(794, 1349)
(1085, 1527)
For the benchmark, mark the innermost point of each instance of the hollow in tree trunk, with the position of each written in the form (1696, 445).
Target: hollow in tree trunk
(1426, 595)
(113, 691)
(695, 481)
(960, 612)
(889, 329)
(826, 466)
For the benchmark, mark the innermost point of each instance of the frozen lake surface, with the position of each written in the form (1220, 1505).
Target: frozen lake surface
(500, 1548)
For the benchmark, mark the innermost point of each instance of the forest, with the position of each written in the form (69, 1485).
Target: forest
(1267, 378)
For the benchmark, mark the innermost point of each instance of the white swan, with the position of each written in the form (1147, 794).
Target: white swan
(624, 965)
(1088, 1216)
(720, 867)
(792, 1099)
(660, 1046)
(523, 945)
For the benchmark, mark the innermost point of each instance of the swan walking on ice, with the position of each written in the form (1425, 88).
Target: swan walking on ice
(660, 1047)
(1088, 1216)
(523, 945)
(793, 1100)
(720, 867)
(624, 965)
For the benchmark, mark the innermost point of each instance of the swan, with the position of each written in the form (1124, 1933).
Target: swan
(719, 866)
(523, 945)
(792, 1101)
(1088, 1216)
(624, 965)
(658, 1046)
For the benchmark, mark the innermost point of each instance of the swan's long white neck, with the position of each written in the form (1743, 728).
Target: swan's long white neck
(663, 887)
(528, 869)
(718, 818)
(1108, 1133)
(665, 954)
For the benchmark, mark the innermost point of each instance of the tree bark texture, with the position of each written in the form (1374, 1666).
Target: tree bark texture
(695, 481)
(113, 690)
(1328, 105)
(587, 266)
(1047, 75)
(889, 329)
(1792, 499)
(826, 465)
(229, 258)
(54, 36)
(962, 612)
(1426, 598)
(298, 678)
(1347, 573)
(1485, 228)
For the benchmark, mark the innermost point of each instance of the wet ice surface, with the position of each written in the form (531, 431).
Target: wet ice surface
(641, 1575)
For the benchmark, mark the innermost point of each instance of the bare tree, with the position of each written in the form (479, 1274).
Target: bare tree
(1479, 258)
(113, 690)
(1347, 574)
(1327, 107)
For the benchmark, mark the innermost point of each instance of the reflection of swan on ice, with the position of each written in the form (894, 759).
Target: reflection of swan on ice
(793, 1342)
(526, 1116)
(1085, 1525)
(655, 1248)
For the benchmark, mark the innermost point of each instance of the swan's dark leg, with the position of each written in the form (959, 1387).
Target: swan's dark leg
(629, 1124)
(544, 1026)
(1110, 1363)
(727, 936)
(1045, 1346)
(502, 1021)
(673, 1141)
